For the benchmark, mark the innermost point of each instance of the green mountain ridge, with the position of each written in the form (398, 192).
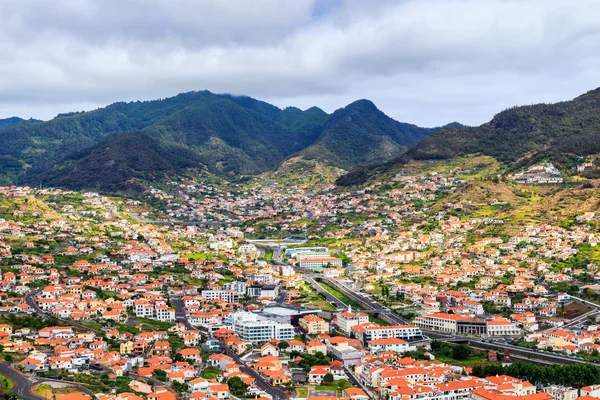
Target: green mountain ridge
(227, 135)
(121, 163)
(361, 134)
(517, 137)
(11, 121)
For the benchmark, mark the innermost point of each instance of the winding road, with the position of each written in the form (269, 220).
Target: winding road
(23, 384)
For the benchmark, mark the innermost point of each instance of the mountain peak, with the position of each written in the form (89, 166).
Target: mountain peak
(227, 135)
(363, 104)
(10, 121)
(518, 136)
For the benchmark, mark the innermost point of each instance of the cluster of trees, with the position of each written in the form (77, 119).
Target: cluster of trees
(160, 375)
(576, 375)
(283, 345)
(310, 360)
(329, 380)
(449, 350)
(568, 127)
(237, 386)
(28, 321)
(385, 290)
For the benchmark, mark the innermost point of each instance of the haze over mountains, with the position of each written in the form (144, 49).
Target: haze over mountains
(114, 147)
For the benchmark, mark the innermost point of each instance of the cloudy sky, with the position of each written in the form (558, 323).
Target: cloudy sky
(423, 61)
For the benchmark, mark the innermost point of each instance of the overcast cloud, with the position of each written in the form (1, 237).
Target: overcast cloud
(422, 61)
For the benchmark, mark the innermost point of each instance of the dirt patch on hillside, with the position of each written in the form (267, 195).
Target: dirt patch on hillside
(574, 310)
(50, 393)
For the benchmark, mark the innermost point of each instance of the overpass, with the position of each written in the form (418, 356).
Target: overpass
(533, 355)
(373, 307)
(525, 353)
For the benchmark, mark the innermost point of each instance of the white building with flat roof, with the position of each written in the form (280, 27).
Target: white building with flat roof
(319, 262)
(254, 328)
(230, 296)
(347, 319)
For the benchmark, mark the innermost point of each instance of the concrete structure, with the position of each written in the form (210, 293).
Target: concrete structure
(304, 250)
(237, 286)
(313, 325)
(348, 355)
(405, 332)
(319, 263)
(254, 328)
(229, 296)
(270, 291)
(285, 313)
(347, 319)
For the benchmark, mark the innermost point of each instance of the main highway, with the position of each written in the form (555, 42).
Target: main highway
(476, 342)
(389, 316)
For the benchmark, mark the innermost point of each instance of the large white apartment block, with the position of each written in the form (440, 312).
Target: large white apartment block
(319, 262)
(144, 309)
(253, 328)
(236, 286)
(441, 322)
(465, 325)
(502, 327)
(230, 296)
(405, 332)
(391, 344)
(347, 319)
(165, 313)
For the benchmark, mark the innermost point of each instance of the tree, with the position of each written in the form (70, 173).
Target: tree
(283, 345)
(210, 372)
(328, 378)
(344, 384)
(160, 375)
(236, 385)
(178, 387)
(461, 352)
(310, 360)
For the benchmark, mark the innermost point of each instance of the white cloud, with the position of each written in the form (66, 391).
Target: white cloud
(421, 61)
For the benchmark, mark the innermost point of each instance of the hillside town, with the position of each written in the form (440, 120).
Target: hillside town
(273, 291)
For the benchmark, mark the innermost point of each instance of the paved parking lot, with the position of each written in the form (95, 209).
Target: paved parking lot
(313, 393)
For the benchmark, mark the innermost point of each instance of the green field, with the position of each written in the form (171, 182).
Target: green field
(341, 296)
(378, 321)
(7, 385)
